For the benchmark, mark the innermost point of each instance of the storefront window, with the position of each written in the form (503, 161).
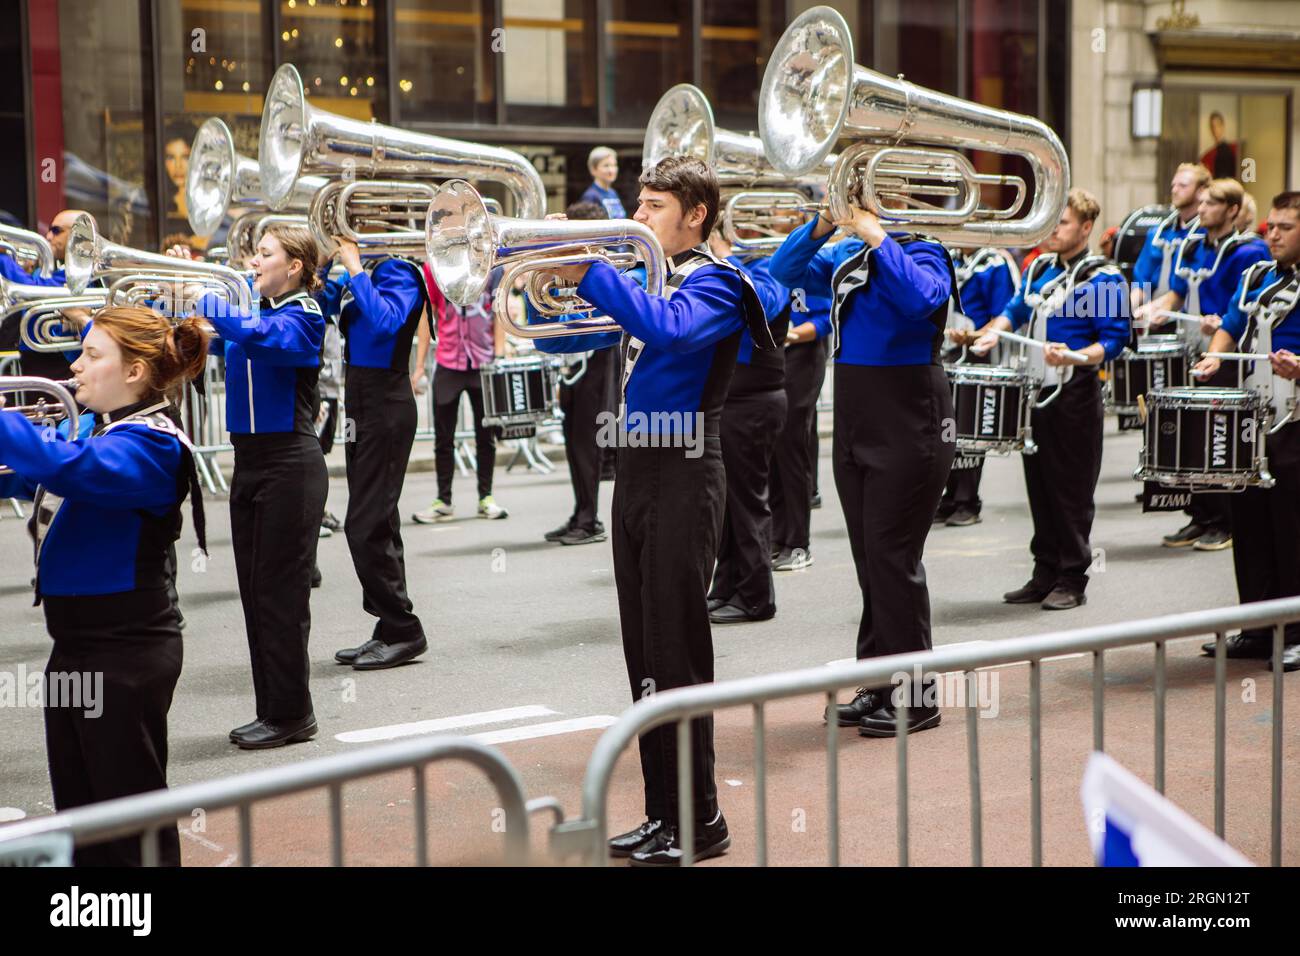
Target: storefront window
(332, 43)
(736, 37)
(918, 38)
(648, 49)
(446, 72)
(549, 49)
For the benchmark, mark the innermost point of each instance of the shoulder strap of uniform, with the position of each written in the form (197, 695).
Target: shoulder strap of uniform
(755, 317)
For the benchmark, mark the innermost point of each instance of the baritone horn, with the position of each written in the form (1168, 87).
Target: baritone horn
(42, 411)
(466, 242)
(755, 196)
(221, 178)
(907, 142)
(298, 139)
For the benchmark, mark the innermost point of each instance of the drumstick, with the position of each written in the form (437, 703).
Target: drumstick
(1239, 356)
(1184, 316)
(1026, 340)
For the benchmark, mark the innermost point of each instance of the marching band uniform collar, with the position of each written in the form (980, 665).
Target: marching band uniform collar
(1068, 264)
(126, 411)
(275, 303)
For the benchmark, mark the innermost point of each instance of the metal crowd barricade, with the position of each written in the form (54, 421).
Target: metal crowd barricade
(203, 416)
(144, 814)
(586, 836)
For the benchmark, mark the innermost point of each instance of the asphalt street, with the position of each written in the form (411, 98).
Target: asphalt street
(524, 634)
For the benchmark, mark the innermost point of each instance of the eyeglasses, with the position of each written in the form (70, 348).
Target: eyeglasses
(57, 230)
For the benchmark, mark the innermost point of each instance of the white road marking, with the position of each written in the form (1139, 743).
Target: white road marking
(443, 723)
(10, 814)
(550, 729)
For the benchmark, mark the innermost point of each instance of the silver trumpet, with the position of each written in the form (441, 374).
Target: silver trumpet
(298, 140)
(221, 178)
(30, 249)
(42, 411)
(465, 242)
(90, 256)
(907, 145)
(756, 197)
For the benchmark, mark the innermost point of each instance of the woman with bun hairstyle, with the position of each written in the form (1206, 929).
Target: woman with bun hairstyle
(107, 509)
(277, 495)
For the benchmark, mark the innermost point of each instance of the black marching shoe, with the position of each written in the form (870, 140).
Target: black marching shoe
(349, 654)
(1290, 658)
(1184, 537)
(884, 722)
(730, 614)
(1063, 599)
(625, 843)
(963, 518)
(1244, 647)
(864, 702)
(1031, 593)
(390, 655)
(943, 513)
(242, 729)
(664, 848)
(715, 603)
(276, 733)
(555, 534)
(584, 536)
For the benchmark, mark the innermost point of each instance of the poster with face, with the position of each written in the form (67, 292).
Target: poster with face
(178, 133)
(1217, 140)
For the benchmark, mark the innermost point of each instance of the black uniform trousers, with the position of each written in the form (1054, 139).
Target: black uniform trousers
(582, 403)
(381, 407)
(118, 747)
(794, 460)
(277, 499)
(448, 385)
(890, 464)
(1213, 509)
(1266, 532)
(667, 516)
(751, 424)
(1061, 481)
(963, 489)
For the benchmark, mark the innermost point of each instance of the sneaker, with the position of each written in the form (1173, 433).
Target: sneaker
(487, 508)
(331, 522)
(1216, 539)
(792, 559)
(963, 518)
(557, 533)
(815, 502)
(325, 532)
(438, 511)
(1185, 536)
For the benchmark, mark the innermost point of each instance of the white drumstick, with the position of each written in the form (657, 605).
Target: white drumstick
(1232, 356)
(1026, 340)
(1184, 316)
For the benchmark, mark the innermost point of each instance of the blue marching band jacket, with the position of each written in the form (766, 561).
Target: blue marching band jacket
(272, 362)
(985, 283)
(1208, 276)
(379, 310)
(1264, 284)
(890, 303)
(1085, 301)
(1154, 267)
(760, 370)
(107, 506)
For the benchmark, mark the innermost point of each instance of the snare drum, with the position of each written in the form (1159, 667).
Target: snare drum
(991, 406)
(518, 391)
(1159, 362)
(1203, 438)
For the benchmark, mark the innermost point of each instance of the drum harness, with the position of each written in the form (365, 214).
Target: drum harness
(1275, 303)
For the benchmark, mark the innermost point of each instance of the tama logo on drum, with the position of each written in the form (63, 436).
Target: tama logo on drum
(1219, 440)
(518, 391)
(989, 412)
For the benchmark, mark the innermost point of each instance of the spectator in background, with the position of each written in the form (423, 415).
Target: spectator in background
(603, 164)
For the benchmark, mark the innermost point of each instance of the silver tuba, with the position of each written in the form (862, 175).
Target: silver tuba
(466, 242)
(220, 178)
(30, 249)
(41, 411)
(755, 195)
(246, 232)
(90, 256)
(298, 139)
(813, 94)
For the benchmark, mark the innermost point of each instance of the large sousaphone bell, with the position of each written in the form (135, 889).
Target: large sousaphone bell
(298, 140)
(907, 141)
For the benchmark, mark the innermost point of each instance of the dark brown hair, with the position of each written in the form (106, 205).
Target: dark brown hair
(300, 244)
(171, 354)
(586, 210)
(1287, 200)
(693, 182)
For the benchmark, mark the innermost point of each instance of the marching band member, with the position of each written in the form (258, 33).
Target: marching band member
(891, 299)
(668, 499)
(277, 495)
(381, 307)
(986, 284)
(1154, 266)
(1207, 272)
(793, 484)
(1266, 522)
(752, 419)
(1086, 310)
(108, 508)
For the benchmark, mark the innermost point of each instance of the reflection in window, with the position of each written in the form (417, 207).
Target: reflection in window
(648, 50)
(445, 68)
(1002, 43)
(103, 160)
(550, 61)
(332, 43)
(736, 37)
(918, 38)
